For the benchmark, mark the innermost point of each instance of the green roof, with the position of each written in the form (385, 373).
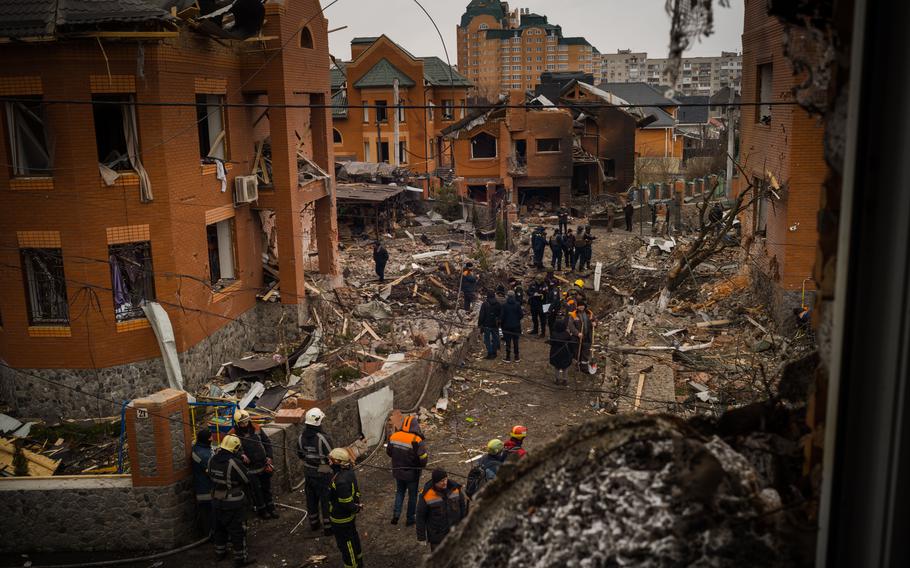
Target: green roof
(338, 78)
(573, 41)
(528, 20)
(437, 73)
(480, 8)
(383, 74)
(340, 104)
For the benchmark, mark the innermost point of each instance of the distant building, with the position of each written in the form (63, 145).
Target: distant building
(367, 134)
(785, 142)
(657, 137)
(699, 75)
(624, 66)
(499, 50)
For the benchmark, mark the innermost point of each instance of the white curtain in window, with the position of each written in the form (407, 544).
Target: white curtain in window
(215, 123)
(131, 134)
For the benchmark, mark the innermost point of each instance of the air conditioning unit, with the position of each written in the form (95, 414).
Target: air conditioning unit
(246, 189)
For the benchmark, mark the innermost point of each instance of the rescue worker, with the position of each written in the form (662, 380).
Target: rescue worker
(442, 505)
(495, 456)
(344, 505)
(513, 444)
(563, 215)
(202, 484)
(468, 286)
(538, 246)
(628, 211)
(578, 290)
(313, 447)
(229, 475)
(488, 321)
(588, 242)
(409, 456)
(537, 291)
(380, 258)
(569, 251)
(556, 250)
(581, 328)
(515, 286)
(512, 314)
(257, 449)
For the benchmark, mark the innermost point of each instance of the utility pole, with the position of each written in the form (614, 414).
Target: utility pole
(396, 150)
(731, 132)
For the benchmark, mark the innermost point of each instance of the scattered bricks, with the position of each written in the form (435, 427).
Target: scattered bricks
(290, 416)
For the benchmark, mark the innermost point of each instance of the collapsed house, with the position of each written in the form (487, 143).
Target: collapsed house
(131, 216)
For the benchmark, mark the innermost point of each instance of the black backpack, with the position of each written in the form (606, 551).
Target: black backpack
(475, 481)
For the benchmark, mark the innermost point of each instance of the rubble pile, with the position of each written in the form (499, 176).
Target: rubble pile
(70, 447)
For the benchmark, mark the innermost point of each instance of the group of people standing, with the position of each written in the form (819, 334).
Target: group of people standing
(573, 249)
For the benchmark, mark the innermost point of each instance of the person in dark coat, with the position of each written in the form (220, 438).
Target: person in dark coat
(468, 286)
(519, 290)
(257, 450)
(202, 483)
(344, 506)
(380, 258)
(628, 210)
(313, 447)
(560, 351)
(556, 250)
(442, 505)
(568, 250)
(563, 215)
(538, 246)
(581, 328)
(587, 249)
(409, 456)
(488, 321)
(554, 301)
(229, 476)
(537, 293)
(512, 315)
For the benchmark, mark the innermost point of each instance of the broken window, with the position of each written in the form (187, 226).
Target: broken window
(222, 260)
(448, 109)
(483, 146)
(306, 38)
(45, 286)
(765, 85)
(403, 152)
(609, 165)
(382, 154)
(132, 278)
(382, 112)
(110, 113)
(336, 136)
(548, 144)
(211, 125)
(29, 151)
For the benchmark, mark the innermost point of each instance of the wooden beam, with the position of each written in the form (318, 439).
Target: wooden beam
(641, 386)
(38, 465)
(125, 35)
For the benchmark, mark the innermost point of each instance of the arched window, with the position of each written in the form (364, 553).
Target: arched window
(483, 145)
(306, 38)
(336, 136)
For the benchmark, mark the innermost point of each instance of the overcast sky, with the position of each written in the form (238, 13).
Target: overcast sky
(641, 25)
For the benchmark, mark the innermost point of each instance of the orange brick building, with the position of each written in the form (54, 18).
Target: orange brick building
(367, 134)
(501, 50)
(786, 142)
(106, 205)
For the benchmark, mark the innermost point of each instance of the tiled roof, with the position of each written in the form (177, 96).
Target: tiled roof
(638, 93)
(26, 18)
(693, 114)
(338, 77)
(383, 74)
(437, 73)
(340, 104)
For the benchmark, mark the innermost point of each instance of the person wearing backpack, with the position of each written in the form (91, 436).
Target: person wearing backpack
(409, 456)
(488, 467)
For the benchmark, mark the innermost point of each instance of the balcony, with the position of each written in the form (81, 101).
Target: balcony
(518, 166)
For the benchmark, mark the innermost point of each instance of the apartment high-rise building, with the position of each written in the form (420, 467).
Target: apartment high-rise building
(700, 75)
(499, 49)
(624, 66)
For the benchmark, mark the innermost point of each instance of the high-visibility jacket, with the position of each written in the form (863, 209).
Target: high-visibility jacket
(313, 448)
(439, 511)
(344, 496)
(228, 476)
(408, 451)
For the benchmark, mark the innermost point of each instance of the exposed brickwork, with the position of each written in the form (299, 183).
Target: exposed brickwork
(23, 85)
(112, 83)
(128, 234)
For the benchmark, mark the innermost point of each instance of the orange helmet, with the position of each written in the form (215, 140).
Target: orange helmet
(519, 432)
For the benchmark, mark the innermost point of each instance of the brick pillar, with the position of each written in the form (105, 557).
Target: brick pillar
(326, 216)
(159, 438)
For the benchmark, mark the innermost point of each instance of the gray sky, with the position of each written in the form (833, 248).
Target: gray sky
(641, 25)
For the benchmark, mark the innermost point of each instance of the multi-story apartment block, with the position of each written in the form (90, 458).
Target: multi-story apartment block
(699, 75)
(499, 50)
(131, 219)
(624, 66)
(368, 80)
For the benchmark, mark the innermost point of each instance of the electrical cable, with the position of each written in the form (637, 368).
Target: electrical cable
(128, 560)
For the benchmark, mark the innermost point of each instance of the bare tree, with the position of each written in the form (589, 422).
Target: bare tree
(711, 235)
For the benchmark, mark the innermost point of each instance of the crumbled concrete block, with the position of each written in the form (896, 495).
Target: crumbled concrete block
(290, 416)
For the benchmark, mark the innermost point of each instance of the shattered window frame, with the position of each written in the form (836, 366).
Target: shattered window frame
(26, 127)
(764, 87)
(382, 111)
(132, 278)
(45, 286)
(215, 233)
(448, 109)
(210, 114)
(486, 136)
(107, 108)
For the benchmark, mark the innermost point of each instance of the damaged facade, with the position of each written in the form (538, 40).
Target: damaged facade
(781, 145)
(383, 131)
(137, 204)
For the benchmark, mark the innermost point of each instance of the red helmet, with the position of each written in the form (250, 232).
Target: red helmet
(519, 432)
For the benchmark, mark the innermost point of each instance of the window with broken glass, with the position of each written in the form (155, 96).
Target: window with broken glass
(132, 278)
(382, 111)
(113, 118)
(222, 253)
(28, 141)
(45, 286)
(448, 109)
(211, 124)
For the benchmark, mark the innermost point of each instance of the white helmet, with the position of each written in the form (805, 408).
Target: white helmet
(314, 417)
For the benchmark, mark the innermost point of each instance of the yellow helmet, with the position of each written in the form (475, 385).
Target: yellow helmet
(580, 283)
(340, 455)
(230, 443)
(241, 416)
(495, 446)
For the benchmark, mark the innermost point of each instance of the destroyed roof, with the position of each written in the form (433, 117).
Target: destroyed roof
(609, 98)
(437, 73)
(366, 192)
(43, 18)
(722, 96)
(383, 74)
(365, 168)
(340, 104)
(476, 117)
(338, 77)
(693, 114)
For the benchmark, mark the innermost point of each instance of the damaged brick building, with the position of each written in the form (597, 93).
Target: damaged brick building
(138, 171)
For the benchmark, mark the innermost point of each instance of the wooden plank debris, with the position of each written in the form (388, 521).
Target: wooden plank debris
(370, 330)
(598, 272)
(629, 327)
(641, 386)
(714, 323)
(38, 465)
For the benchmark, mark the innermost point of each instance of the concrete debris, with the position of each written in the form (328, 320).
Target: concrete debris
(373, 310)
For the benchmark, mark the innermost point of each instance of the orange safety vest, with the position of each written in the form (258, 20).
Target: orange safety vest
(404, 437)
